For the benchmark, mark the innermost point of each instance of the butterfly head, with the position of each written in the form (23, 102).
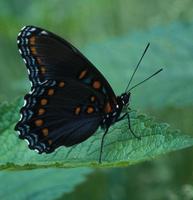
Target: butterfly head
(124, 98)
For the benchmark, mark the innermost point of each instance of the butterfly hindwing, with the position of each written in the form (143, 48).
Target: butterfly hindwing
(59, 113)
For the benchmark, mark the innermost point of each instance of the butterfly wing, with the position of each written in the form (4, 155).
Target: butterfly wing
(49, 57)
(59, 113)
(69, 95)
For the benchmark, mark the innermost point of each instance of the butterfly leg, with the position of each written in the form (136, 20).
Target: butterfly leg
(102, 143)
(129, 123)
(122, 117)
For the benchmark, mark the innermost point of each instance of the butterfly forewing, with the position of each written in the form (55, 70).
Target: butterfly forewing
(47, 56)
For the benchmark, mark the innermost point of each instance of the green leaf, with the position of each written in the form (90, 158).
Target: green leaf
(120, 147)
(8, 114)
(40, 184)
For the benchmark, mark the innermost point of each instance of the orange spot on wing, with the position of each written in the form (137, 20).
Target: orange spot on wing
(32, 40)
(77, 110)
(41, 111)
(82, 74)
(49, 142)
(44, 102)
(93, 98)
(39, 61)
(45, 131)
(90, 109)
(61, 84)
(39, 122)
(33, 50)
(43, 69)
(96, 84)
(107, 108)
(50, 92)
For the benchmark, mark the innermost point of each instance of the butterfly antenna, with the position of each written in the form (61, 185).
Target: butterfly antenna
(146, 79)
(137, 66)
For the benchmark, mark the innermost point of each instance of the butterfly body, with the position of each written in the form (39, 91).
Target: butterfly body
(112, 117)
(69, 97)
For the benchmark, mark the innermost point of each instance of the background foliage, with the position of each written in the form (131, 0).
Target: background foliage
(112, 34)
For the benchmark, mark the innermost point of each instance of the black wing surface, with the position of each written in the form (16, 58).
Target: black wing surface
(49, 57)
(59, 113)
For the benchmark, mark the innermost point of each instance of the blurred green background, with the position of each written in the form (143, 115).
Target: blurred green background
(112, 34)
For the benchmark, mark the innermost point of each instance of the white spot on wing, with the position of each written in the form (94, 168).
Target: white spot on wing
(20, 51)
(28, 51)
(18, 132)
(114, 113)
(28, 33)
(36, 150)
(32, 29)
(44, 33)
(27, 141)
(25, 102)
(31, 91)
(24, 60)
(21, 116)
(43, 82)
(23, 28)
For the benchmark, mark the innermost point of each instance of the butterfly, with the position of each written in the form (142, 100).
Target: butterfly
(69, 98)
